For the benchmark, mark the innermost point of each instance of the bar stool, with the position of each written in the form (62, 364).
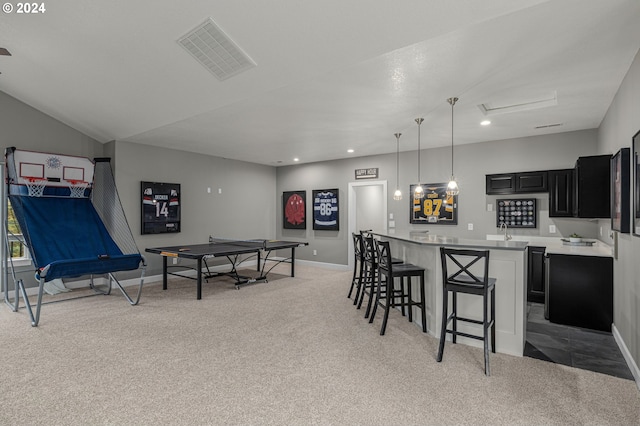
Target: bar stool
(370, 271)
(389, 297)
(358, 266)
(459, 279)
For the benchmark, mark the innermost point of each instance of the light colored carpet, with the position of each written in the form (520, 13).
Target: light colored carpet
(293, 351)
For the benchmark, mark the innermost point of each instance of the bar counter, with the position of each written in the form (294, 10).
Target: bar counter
(507, 263)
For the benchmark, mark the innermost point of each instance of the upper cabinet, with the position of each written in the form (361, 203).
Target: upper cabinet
(592, 187)
(561, 193)
(583, 191)
(517, 183)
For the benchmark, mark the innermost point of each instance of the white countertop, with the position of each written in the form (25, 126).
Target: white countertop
(555, 245)
(427, 238)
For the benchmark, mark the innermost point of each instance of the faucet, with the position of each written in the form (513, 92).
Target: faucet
(507, 237)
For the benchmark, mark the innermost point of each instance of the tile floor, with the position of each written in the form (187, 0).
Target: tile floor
(578, 347)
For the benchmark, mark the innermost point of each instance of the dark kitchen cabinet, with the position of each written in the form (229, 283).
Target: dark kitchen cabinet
(579, 291)
(592, 187)
(504, 183)
(561, 193)
(535, 274)
(531, 182)
(516, 183)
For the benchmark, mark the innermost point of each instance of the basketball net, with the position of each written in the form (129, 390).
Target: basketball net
(77, 188)
(35, 186)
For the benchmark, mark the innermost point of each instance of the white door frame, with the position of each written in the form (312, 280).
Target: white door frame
(352, 210)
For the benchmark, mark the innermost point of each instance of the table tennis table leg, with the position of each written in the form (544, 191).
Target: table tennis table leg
(199, 291)
(164, 272)
(293, 260)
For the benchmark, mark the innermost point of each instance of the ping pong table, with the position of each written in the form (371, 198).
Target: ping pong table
(233, 250)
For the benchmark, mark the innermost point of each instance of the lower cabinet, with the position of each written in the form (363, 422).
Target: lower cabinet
(535, 274)
(579, 291)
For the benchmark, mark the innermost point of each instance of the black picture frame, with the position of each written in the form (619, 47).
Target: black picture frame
(635, 161)
(160, 207)
(326, 210)
(294, 210)
(620, 187)
(436, 208)
(517, 212)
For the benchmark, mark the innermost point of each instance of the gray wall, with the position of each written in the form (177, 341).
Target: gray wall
(27, 128)
(620, 124)
(245, 208)
(472, 163)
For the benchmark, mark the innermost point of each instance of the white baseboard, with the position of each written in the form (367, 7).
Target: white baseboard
(627, 355)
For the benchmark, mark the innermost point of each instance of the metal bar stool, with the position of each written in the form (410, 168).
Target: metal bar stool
(370, 272)
(387, 296)
(358, 266)
(459, 279)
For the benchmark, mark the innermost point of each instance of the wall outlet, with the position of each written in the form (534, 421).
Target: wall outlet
(470, 226)
(392, 224)
(209, 190)
(390, 216)
(315, 252)
(552, 229)
(175, 260)
(219, 190)
(489, 207)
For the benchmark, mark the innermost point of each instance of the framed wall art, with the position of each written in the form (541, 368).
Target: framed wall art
(620, 208)
(436, 208)
(294, 205)
(160, 207)
(635, 165)
(326, 215)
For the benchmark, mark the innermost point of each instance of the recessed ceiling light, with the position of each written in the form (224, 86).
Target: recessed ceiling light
(485, 123)
(350, 151)
(296, 159)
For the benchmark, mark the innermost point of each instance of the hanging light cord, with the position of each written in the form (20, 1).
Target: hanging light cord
(419, 121)
(397, 135)
(452, 101)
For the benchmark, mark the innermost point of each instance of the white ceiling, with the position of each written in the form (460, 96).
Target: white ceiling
(331, 75)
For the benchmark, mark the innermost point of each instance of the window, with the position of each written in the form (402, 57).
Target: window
(17, 251)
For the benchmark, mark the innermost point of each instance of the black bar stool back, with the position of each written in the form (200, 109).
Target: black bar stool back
(458, 278)
(387, 296)
(358, 266)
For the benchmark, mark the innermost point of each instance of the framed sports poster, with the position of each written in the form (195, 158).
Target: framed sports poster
(160, 207)
(620, 207)
(635, 165)
(326, 215)
(294, 210)
(436, 208)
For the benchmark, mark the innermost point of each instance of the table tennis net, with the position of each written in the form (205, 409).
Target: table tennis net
(253, 243)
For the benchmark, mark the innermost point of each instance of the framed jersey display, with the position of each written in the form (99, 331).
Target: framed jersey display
(325, 210)
(294, 210)
(160, 207)
(436, 208)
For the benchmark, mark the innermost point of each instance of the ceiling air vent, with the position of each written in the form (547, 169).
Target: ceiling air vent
(545, 126)
(517, 104)
(210, 46)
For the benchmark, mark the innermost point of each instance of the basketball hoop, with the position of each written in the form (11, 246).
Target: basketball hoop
(77, 188)
(35, 186)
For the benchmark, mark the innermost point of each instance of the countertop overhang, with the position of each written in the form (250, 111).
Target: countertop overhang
(423, 238)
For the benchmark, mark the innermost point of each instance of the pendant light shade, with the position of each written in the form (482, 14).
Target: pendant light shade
(398, 194)
(418, 191)
(452, 186)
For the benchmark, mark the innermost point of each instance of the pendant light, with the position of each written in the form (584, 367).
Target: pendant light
(418, 191)
(398, 194)
(452, 186)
